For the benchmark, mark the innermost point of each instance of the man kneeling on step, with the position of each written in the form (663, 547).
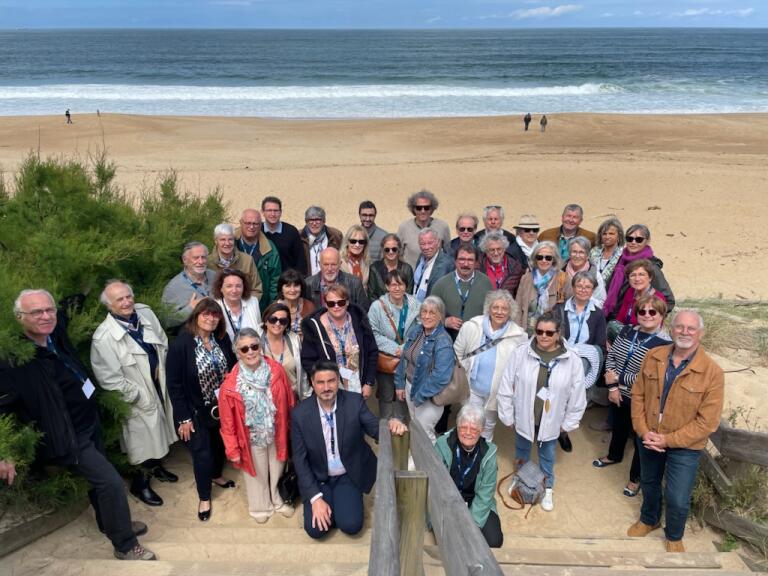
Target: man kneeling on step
(334, 464)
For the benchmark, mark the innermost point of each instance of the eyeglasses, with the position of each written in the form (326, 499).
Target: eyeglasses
(643, 312)
(392, 250)
(250, 224)
(533, 230)
(278, 320)
(314, 220)
(546, 257)
(636, 239)
(358, 241)
(336, 303)
(466, 229)
(424, 208)
(253, 347)
(548, 333)
(210, 314)
(493, 207)
(38, 312)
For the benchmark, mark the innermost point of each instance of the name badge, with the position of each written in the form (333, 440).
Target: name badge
(543, 394)
(346, 373)
(88, 388)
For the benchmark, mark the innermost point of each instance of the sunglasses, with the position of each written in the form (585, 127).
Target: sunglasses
(391, 250)
(645, 312)
(546, 257)
(210, 314)
(426, 208)
(244, 349)
(466, 229)
(278, 320)
(336, 303)
(356, 241)
(534, 230)
(548, 333)
(636, 239)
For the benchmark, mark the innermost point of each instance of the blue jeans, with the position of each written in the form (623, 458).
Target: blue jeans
(546, 456)
(680, 466)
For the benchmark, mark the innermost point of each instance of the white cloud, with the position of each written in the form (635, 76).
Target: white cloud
(435, 19)
(546, 11)
(607, 14)
(695, 12)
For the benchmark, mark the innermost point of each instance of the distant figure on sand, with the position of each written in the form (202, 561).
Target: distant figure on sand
(69, 116)
(543, 123)
(527, 120)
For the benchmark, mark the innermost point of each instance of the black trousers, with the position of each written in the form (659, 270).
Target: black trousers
(492, 531)
(622, 431)
(207, 450)
(107, 492)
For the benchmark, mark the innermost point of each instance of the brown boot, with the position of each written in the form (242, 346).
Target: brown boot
(675, 546)
(640, 529)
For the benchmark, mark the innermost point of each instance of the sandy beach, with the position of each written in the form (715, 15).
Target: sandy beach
(698, 182)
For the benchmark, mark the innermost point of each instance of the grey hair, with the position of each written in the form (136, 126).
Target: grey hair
(496, 295)
(223, 229)
(581, 241)
(611, 223)
(573, 208)
(584, 275)
(471, 414)
(488, 209)
(314, 212)
(557, 264)
(246, 333)
(103, 296)
(436, 303)
(428, 230)
(29, 292)
(190, 245)
(493, 236)
(422, 194)
(642, 228)
(467, 215)
(679, 311)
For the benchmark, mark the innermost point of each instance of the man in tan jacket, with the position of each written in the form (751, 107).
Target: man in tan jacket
(677, 401)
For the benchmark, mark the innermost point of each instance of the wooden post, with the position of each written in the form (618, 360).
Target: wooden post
(411, 490)
(400, 451)
(384, 559)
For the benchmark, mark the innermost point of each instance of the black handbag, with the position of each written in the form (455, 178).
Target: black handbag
(288, 484)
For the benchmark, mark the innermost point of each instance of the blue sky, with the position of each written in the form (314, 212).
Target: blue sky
(381, 13)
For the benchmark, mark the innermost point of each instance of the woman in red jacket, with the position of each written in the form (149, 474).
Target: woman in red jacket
(254, 405)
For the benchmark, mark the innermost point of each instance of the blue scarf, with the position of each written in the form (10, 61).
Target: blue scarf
(541, 283)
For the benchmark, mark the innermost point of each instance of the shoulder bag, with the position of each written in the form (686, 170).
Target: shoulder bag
(387, 363)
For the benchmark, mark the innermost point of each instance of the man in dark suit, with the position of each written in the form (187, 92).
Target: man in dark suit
(334, 464)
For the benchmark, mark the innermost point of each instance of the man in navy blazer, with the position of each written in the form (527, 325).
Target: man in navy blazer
(334, 464)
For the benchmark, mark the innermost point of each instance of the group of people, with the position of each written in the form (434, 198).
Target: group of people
(281, 335)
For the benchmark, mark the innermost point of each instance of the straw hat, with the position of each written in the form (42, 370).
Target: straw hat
(528, 221)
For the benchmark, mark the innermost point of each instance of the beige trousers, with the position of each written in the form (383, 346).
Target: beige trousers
(261, 490)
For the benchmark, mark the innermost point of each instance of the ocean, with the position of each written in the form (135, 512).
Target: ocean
(383, 73)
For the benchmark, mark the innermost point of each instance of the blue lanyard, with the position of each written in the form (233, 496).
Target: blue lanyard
(268, 349)
(463, 473)
(235, 327)
(195, 285)
(249, 249)
(329, 419)
(464, 297)
(402, 319)
(69, 365)
(633, 346)
(580, 318)
(341, 337)
(550, 368)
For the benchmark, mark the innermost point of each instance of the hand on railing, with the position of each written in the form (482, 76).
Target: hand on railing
(396, 427)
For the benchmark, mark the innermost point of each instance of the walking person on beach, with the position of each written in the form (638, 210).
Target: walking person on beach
(543, 123)
(69, 116)
(527, 120)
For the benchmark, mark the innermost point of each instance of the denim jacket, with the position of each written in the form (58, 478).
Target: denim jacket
(434, 366)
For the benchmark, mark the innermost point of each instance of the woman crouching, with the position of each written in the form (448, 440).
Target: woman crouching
(254, 405)
(471, 462)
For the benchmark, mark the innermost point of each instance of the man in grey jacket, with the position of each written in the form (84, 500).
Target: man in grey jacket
(330, 274)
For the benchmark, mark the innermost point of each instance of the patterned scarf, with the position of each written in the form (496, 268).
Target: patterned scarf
(260, 410)
(541, 282)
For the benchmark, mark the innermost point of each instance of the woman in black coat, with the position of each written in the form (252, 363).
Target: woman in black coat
(198, 360)
(340, 332)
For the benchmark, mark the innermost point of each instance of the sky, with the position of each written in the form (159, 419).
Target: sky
(381, 13)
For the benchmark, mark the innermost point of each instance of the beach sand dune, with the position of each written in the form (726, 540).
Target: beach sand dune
(699, 182)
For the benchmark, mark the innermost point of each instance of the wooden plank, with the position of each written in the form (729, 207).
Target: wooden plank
(384, 558)
(463, 548)
(544, 557)
(400, 446)
(717, 436)
(523, 570)
(712, 469)
(20, 535)
(752, 532)
(411, 491)
(743, 445)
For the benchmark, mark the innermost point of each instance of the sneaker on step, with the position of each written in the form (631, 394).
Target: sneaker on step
(138, 552)
(548, 501)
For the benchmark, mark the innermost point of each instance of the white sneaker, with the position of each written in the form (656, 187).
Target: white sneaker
(512, 486)
(547, 502)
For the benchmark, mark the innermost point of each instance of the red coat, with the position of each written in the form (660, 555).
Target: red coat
(235, 433)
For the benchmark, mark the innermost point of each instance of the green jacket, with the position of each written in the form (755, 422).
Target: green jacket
(485, 485)
(268, 266)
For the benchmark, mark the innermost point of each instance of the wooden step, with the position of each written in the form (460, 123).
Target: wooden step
(523, 570)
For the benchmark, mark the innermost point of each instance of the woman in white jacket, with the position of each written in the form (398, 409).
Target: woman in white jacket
(484, 346)
(541, 394)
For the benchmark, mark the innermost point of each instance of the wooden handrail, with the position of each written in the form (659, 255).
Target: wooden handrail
(384, 559)
(741, 445)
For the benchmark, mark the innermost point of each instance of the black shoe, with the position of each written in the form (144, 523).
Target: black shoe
(164, 475)
(227, 484)
(565, 442)
(148, 496)
(205, 515)
(139, 528)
